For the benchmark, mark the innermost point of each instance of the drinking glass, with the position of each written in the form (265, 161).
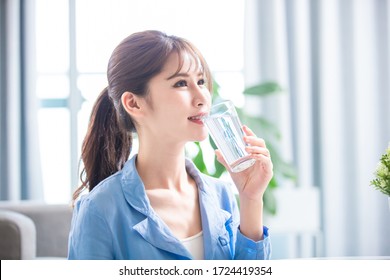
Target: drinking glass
(225, 129)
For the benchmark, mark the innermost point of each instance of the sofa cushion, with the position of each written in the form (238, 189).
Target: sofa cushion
(17, 236)
(52, 223)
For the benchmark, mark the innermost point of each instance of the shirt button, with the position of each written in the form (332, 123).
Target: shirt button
(223, 241)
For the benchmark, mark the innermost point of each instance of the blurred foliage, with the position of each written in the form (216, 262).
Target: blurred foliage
(263, 128)
(381, 182)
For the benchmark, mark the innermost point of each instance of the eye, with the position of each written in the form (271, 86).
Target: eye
(201, 82)
(181, 83)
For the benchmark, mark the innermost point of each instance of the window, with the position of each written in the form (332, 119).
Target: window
(73, 42)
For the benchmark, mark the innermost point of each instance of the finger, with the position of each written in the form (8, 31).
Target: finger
(258, 150)
(267, 166)
(254, 141)
(266, 162)
(248, 131)
(221, 159)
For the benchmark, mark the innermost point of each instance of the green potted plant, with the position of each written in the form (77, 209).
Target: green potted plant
(261, 126)
(381, 181)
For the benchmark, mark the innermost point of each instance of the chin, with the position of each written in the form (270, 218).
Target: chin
(200, 137)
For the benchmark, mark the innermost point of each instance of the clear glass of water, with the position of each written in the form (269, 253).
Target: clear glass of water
(225, 129)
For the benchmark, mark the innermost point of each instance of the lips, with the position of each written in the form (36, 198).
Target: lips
(197, 118)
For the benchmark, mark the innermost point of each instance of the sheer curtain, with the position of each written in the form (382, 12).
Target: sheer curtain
(332, 57)
(20, 164)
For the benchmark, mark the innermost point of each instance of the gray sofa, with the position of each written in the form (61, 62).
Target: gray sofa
(33, 230)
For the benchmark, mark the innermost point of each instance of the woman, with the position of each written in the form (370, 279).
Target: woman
(157, 205)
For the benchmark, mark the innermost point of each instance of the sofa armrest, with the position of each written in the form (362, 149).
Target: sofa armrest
(17, 236)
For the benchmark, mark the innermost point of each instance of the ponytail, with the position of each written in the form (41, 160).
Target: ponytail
(106, 146)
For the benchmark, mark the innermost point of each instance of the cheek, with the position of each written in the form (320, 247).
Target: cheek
(209, 97)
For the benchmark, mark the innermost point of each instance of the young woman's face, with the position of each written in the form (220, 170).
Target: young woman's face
(177, 101)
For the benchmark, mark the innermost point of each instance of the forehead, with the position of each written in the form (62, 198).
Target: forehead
(183, 62)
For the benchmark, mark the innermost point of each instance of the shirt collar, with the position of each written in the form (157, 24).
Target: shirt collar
(213, 217)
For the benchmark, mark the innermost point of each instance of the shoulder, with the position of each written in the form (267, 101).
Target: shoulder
(112, 194)
(103, 197)
(108, 188)
(221, 189)
(219, 184)
(207, 179)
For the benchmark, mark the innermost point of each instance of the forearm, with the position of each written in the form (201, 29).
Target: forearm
(251, 218)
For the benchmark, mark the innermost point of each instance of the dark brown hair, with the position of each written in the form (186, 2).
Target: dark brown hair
(137, 59)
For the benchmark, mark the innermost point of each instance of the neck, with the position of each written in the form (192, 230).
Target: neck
(162, 166)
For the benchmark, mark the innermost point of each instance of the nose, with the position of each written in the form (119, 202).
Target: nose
(199, 103)
(201, 96)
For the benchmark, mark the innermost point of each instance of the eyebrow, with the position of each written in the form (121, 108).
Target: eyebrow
(180, 74)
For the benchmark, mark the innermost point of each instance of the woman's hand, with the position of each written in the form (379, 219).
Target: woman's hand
(253, 181)
(251, 184)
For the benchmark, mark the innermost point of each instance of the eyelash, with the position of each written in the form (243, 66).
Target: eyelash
(201, 82)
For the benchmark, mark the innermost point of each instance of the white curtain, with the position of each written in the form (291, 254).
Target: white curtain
(332, 57)
(20, 160)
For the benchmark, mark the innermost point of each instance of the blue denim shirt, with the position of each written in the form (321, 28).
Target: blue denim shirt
(116, 221)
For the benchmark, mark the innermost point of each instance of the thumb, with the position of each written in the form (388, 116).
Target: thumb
(221, 159)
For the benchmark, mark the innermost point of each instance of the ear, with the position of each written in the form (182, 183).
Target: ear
(130, 102)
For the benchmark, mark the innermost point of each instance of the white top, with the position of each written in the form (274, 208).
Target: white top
(194, 244)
